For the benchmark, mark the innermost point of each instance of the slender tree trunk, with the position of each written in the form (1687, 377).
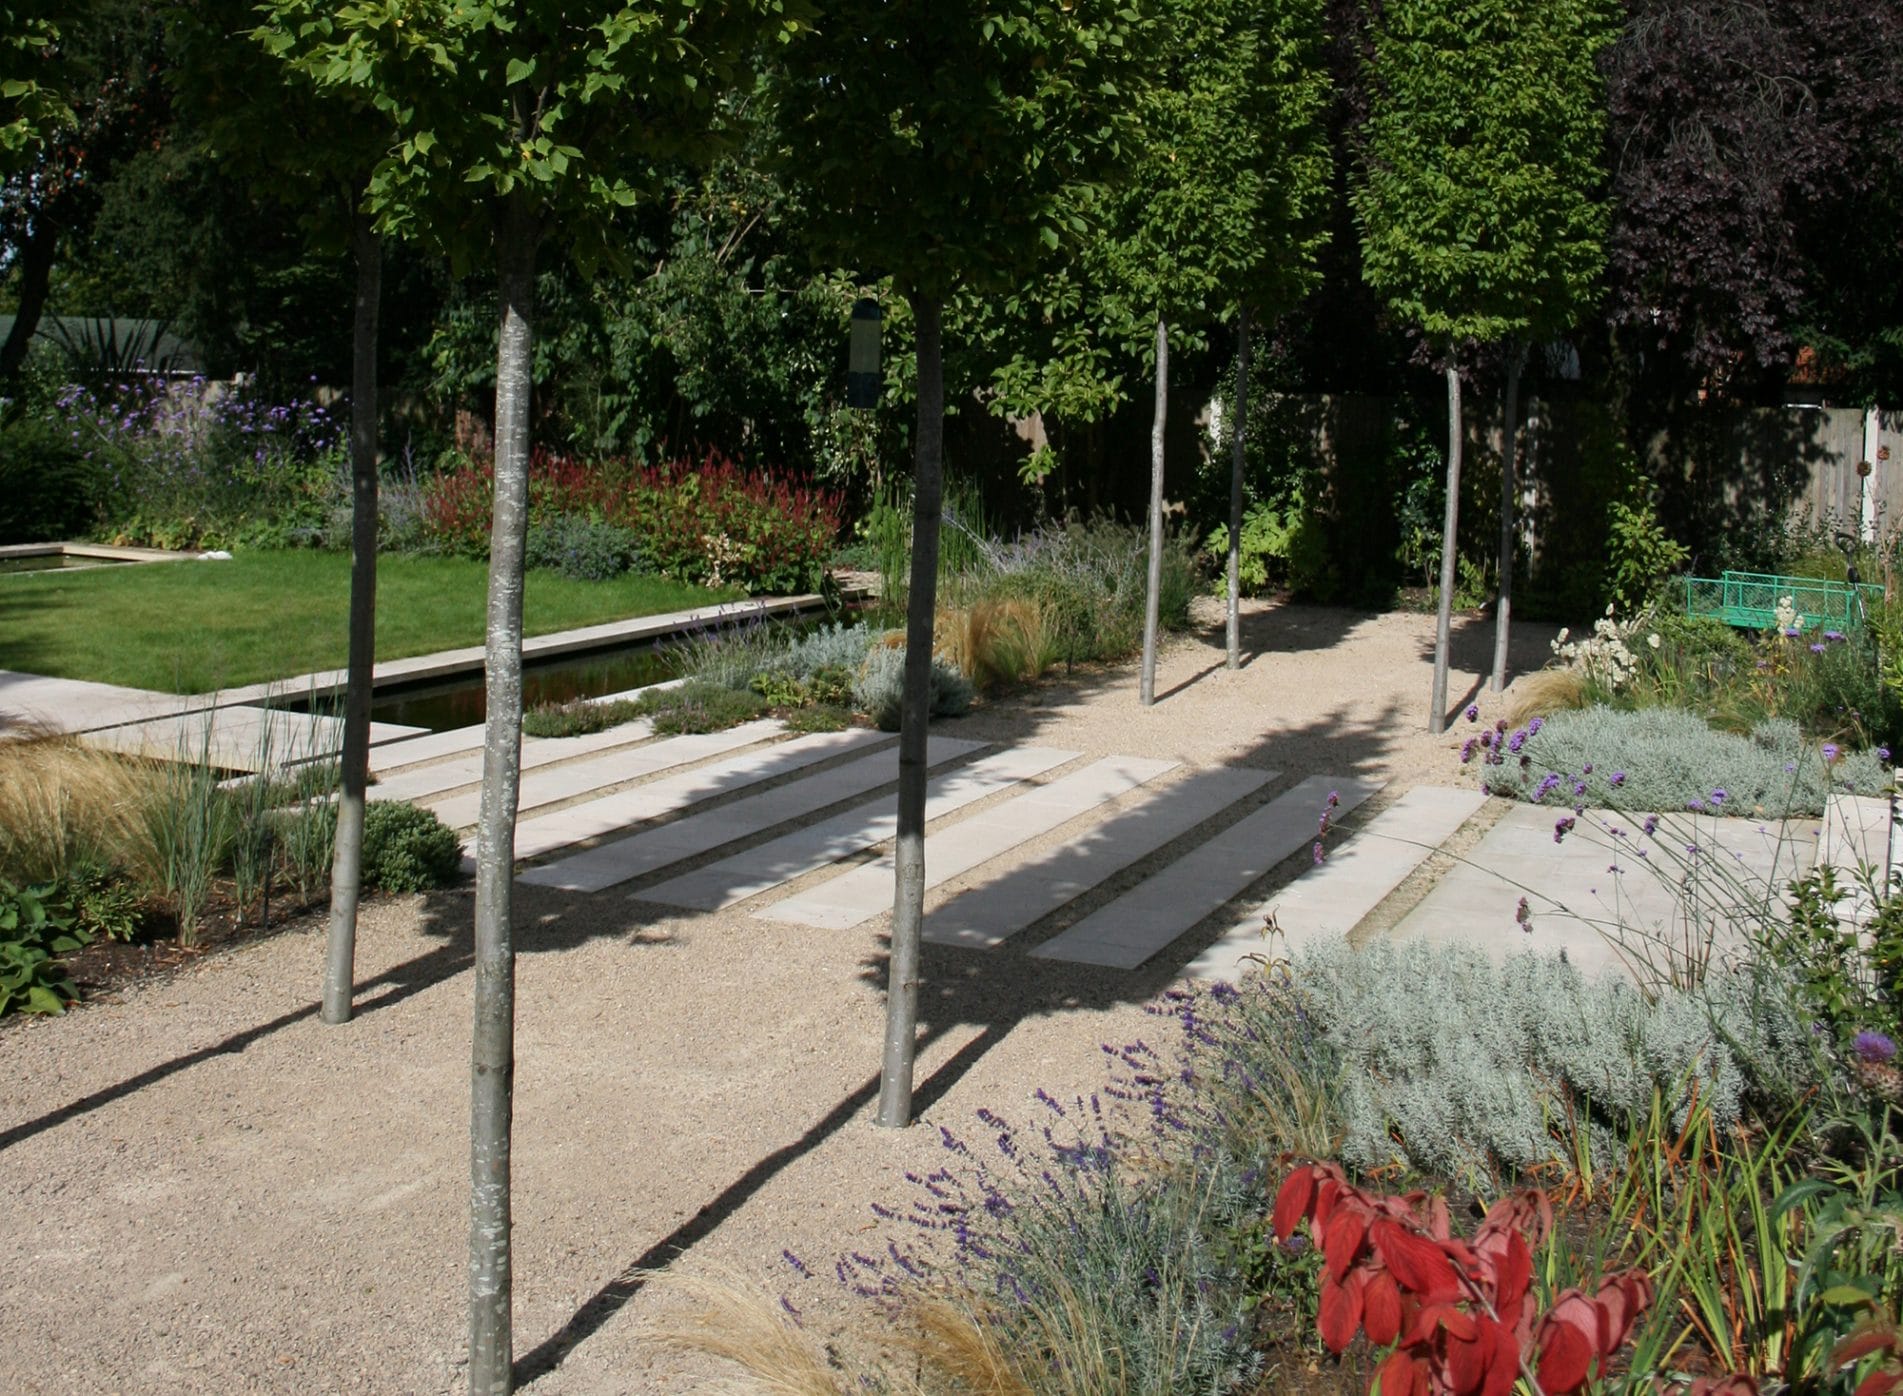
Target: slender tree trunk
(1146, 686)
(908, 886)
(1509, 487)
(1234, 635)
(346, 869)
(1450, 531)
(492, 1061)
(35, 260)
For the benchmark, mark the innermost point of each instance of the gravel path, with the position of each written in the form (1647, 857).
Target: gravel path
(206, 1190)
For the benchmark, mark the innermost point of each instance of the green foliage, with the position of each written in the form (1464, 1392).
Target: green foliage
(878, 691)
(578, 717)
(584, 549)
(1479, 201)
(1666, 758)
(1641, 557)
(407, 848)
(700, 707)
(32, 932)
(1851, 973)
(1460, 1067)
(192, 824)
(818, 717)
(49, 491)
(1264, 550)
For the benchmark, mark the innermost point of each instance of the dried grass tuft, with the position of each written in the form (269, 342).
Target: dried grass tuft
(64, 805)
(1543, 693)
(736, 1321)
(996, 643)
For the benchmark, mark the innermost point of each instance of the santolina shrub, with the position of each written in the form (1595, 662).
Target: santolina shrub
(710, 521)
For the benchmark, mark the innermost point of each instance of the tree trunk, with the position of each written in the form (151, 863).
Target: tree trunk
(1449, 535)
(346, 869)
(1234, 634)
(908, 886)
(1146, 686)
(492, 1061)
(1509, 485)
(35, 260)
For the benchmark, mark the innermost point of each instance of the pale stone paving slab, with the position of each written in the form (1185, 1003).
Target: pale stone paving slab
(1328, 902)
(992, 912)
(422, 784)
(553, 784)
(807, 850)
(1609, 900)
(1155, 912)
(866, 891)
(612, 863)
(1856, 839)
(434, 746)
(237, 738)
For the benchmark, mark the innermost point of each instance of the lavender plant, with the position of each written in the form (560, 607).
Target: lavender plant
(194, 463)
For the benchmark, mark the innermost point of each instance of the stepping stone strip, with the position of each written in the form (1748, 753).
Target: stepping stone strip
(866, 891)
(1328, 902)
(579, 778)
(1138, 924)
(988, 914)
(612, 863)
(423, 783)
(807, 850)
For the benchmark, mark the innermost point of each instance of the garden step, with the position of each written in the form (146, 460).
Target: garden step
(807, 850)
(1604, 920)
(617, 862)
(430, 747)
(554, 784)
(1018, 896)
(1327, 902)
(866, 891)
(437, 782)
(1156, 911)
(237, 737)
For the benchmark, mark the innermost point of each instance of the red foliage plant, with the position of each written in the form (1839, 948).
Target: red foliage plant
(1461, 1314)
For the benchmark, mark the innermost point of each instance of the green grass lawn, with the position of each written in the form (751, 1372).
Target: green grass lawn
(191, 627)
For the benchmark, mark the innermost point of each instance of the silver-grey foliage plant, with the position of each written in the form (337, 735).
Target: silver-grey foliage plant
(1666, 758)
(880, 686)
(1455, 1065)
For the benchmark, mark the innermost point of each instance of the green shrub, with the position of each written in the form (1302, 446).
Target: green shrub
(33, 929)
(1661, 759)
(1261, 559)
(407, 848)
(880, 688)
(818, 717)
(1089, 580)
(700, 707)
(49, 490)
(585, 549)
(577, 717)
(1457, 1066)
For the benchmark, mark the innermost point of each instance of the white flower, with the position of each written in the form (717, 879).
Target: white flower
(1653, 639)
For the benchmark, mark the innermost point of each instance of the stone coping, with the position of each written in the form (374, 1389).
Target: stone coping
(468, 658)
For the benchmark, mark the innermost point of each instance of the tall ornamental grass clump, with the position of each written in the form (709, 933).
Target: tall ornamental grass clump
(65, 806)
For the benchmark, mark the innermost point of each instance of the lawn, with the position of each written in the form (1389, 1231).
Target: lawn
(191, 627)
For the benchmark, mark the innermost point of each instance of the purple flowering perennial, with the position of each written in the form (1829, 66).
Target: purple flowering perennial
(1873, 1046)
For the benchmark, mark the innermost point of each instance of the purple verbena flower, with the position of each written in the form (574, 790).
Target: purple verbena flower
(1616, 779)
(1473, 712)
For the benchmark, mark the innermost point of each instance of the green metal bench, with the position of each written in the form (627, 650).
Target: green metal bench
(1749, 600)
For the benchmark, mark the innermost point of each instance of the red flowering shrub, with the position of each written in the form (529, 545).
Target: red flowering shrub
(1462, 1315)
(712, 521)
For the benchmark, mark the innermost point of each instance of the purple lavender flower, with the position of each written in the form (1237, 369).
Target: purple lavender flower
(1873, 1046)
(1533, 727)
(1616, 779)
(1517, 740)
(1834, 636)
(1467, 750)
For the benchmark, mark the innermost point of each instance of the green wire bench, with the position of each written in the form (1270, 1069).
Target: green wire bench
(1749, 600)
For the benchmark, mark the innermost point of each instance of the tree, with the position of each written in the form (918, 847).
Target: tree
(79, 97)
(1756, 154)
(516, 125)
(942, 145)
(1478, 199)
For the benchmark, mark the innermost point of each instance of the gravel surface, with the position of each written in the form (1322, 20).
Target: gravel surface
(206, 1190)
